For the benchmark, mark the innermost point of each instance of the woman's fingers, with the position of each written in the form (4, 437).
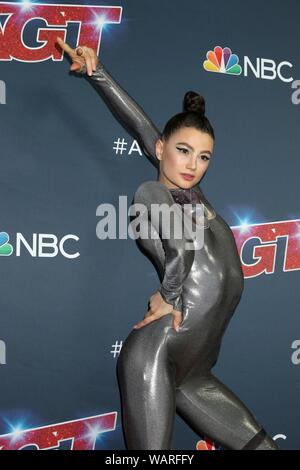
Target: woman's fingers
(66, 47)
(78, 63)
(79, 50)
(84, 58)
(88, 61)
(94, 58)
(85, 55)
(148, 319)
(76, 67)
(177, 319)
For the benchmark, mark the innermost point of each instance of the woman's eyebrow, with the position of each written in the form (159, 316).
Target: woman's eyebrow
(192, 148)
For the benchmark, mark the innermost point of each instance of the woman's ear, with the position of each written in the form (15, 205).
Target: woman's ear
(159, 147)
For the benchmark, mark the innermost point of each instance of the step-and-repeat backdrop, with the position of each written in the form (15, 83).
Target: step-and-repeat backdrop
(69, 298)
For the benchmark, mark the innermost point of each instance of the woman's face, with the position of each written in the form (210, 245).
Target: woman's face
(187, 151)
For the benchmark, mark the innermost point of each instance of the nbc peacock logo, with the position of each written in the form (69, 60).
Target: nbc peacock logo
(6, 248)
(222, 60)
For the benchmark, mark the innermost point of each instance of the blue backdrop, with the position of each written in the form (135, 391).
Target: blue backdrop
(69, 299)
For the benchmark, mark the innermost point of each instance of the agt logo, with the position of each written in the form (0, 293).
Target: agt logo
(221, 60)
(79, 434)
(259, 244)
(41, 245)
(44, 22)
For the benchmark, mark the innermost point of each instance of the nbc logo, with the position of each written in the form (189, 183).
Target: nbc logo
(222, 60)
(41, 245)
(5, 248)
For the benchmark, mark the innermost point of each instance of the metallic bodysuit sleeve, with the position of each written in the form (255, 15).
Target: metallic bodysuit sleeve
(178, 259)
(128, 112)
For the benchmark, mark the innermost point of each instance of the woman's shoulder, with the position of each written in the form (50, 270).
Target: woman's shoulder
(152, 184)
(153, 190)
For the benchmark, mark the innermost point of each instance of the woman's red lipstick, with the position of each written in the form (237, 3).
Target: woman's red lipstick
(187, 176)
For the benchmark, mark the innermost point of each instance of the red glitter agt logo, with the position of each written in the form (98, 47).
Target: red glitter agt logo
(17, 18)
(82, 434)
(263, 253)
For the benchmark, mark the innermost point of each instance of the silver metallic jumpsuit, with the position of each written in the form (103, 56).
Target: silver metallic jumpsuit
(162, 371)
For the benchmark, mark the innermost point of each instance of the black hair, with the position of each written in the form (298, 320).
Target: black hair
(193, 115)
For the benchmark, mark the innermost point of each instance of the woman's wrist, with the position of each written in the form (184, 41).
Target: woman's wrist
(175, 302)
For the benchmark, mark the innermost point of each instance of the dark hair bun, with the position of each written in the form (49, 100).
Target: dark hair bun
(194, 102)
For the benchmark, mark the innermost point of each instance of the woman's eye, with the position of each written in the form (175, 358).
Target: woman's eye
(185, 151)
(182, 149)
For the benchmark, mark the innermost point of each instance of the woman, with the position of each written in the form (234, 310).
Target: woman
(165, 363)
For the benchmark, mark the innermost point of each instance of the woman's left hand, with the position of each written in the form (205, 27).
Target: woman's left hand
(84, 58)
(159, 308)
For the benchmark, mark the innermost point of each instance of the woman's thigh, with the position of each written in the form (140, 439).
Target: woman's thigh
(147, 385)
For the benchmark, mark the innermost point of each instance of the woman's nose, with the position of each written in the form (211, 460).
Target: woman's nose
(192, 164)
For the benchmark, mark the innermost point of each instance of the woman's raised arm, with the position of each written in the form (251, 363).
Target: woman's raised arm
(131, 116)
(129, 113)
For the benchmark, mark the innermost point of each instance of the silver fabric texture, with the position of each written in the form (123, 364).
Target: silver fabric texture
(161, 371)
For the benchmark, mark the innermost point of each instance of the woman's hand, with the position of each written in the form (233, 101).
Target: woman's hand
(159, 308)
(84, 58)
